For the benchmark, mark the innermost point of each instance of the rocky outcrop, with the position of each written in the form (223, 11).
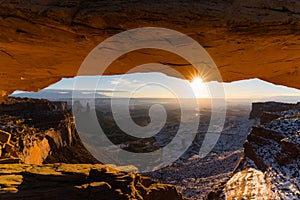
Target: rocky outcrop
(270, 164)
(13, 106)
(43, 41)
(267, 117)
(64, 181)
(39, 131)
(241, 186)
(46, 134)
(7, 153)
(270, 108)
(291, 145)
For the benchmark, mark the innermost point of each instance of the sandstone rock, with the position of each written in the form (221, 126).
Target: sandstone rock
(249, 184)
(271, 153)
(4, 137)
(250, 153)
(37, 153)
(26, 105)
(48, 40)
(266, 133)
(60, 105)
(267, 117)
(9, 149)
(63, 181)
(41, 131)
(283, 158)
(291, 145)
(259, 108)
(9, 160)
(258, 139)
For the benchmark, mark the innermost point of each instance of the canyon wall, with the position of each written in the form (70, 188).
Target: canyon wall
(44, 41)
(269, 167)
(264, 108)
(34, 131)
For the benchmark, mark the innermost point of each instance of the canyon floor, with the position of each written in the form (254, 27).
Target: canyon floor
(42, 156)
(196, 177)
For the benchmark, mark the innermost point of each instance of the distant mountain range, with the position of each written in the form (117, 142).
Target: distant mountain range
(52, 94)
(288, 99)
(59, 94)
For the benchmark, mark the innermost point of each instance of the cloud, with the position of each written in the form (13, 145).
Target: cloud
(124, 82)
(111, 91)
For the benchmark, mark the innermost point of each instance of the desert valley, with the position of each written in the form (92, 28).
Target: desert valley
(259, 144)
(150, 99)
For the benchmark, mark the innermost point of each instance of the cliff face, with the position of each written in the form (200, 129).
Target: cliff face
(269, 168)
(39, 131)
(270, 108)
(35, 132)
(43, 41)
(14, 106)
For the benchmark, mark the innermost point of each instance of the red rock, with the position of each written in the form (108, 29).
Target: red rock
(291, 145)
(267, 117)
(4, 137)
(62, 181)
(250, 153)
(267, 134)
(44, 42)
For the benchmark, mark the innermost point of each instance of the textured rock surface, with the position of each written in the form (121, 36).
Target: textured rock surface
(64, 181)
(269, 168)
(271, 107)
(241, 186)
(43, 41)
(267, 117)
(36, 131)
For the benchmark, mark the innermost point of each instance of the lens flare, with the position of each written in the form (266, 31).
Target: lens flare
(199, 88)
(197, 82)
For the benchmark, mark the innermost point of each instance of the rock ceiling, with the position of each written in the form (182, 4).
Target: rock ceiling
(42, 41)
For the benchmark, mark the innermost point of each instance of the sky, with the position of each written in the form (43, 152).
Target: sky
(158, 85)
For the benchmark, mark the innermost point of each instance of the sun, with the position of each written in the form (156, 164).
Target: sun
(199, 88)
(197, 82)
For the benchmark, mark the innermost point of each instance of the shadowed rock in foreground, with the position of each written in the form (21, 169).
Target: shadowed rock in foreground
(80, 181)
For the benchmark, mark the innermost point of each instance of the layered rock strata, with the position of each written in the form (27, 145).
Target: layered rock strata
(39, 131)
(44, 41)
(79, 181)
(269, 168)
